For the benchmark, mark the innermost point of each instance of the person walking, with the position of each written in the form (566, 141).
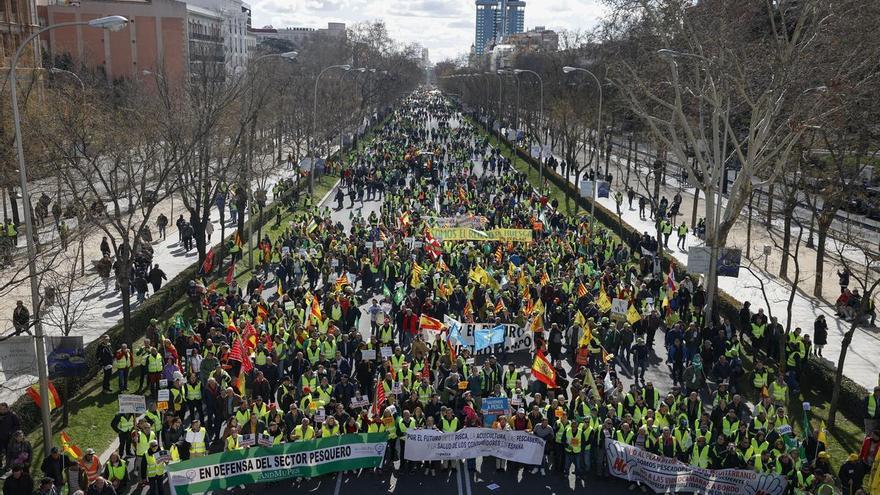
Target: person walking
(682, 235)
(105, 360)
(21, 318)
(820, 335)
(156, 277)
(162, 225)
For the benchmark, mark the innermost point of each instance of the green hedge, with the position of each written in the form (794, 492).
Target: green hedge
(815, 375)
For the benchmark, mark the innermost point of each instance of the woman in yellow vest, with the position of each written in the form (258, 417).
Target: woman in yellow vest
(154, 469)
(233, 440)
(116, 472)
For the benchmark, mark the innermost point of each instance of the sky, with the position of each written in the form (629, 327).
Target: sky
(445, 27)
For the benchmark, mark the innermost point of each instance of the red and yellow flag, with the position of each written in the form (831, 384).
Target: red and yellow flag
(428, 323)
(499, 306)
(69, 448)
(543, 370)
(342, 282)
(54, 399)
(582, 290)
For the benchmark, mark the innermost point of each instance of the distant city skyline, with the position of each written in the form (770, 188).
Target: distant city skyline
(445, 27)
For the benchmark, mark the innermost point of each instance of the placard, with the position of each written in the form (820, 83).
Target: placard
(386, 351)
(362, 401)
(163, 383)
(264, 440)
(619, 306)
(396, 388)
(162, 456)
(493, 407)
(320, 415)
(368, 354)
(162, 399)
(132, 404)
(379, 244)
(289, 306)
(248, 440)
(462, 385)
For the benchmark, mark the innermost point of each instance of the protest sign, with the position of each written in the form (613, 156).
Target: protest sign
(368, 354)
(132, 404)
(493, 407)
(162, 399)
(669, 475)
(432, 445)
(516, 338)
(362, 401)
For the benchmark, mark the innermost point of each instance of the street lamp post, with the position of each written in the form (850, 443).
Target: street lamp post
(290, 56)
(344, 67)
(540, 117)
(568, 69)
(516, 107)
(113, 23)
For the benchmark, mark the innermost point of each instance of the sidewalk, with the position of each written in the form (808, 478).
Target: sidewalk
(860, 365)
(104, 308)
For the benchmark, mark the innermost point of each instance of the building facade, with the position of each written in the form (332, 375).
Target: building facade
(18, 20)
(495, 20)
(537, 39)
(207, 48)
(298, 36)
(156, 38)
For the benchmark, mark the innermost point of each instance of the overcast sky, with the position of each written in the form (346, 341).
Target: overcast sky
(446, 27)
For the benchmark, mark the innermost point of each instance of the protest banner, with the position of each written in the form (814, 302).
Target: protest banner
(432, 445)
(307, 458)
(669, 475)
(132, 404)
(451, 234)
(493, 407)
(516, 338)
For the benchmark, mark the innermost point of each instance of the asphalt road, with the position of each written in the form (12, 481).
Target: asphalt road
(446, 483)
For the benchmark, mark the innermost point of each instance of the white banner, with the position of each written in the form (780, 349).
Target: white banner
(667, 475)
(516, 338)
(433, 445)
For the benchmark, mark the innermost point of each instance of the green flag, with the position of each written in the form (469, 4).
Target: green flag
(399, 295)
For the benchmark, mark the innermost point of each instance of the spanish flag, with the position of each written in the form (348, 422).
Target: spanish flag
(543, 370)
(68, 447)
(316, 309)
(499, 306)
(54, 399)
(428, 323)
(262, 314)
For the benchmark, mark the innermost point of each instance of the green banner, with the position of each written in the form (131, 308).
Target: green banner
(289, 460)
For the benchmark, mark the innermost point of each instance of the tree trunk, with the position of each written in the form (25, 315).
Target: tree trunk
(749, 227)
(629, 150)
(838, 373)
(123, 255)
(769, 206)
(13, 203)
(823, 227)
(696, 206)
(786, 244)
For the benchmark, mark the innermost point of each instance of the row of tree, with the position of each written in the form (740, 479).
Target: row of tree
(780, 92)
(118, 151)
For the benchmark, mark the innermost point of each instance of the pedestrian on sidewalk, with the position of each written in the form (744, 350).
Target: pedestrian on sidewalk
(179, 223)
(209, 229)
(105, 360)
(630, 195)
(642, 203)
(682, 235)
(843, 278)
(21, 317)
(820, 335)
(156, 277)
(618, 201)
(105, 247)
(162, 224)
(186, 235)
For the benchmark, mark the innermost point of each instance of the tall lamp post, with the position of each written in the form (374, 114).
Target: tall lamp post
(290, 56)
(344, 67)
(540, 116)
(568, 69)
(516, 107)
(113, 23)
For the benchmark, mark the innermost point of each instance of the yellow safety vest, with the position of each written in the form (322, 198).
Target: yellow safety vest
(232, 443)
(153, 468)
(329, 432)
(449, 426)
(144, 442)
(116, 472)
(197, 446)
(307, 435)
(193, 392)
(126, 424)
(700, 458)
(573, 440)
(121, 363)
(154, 363)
